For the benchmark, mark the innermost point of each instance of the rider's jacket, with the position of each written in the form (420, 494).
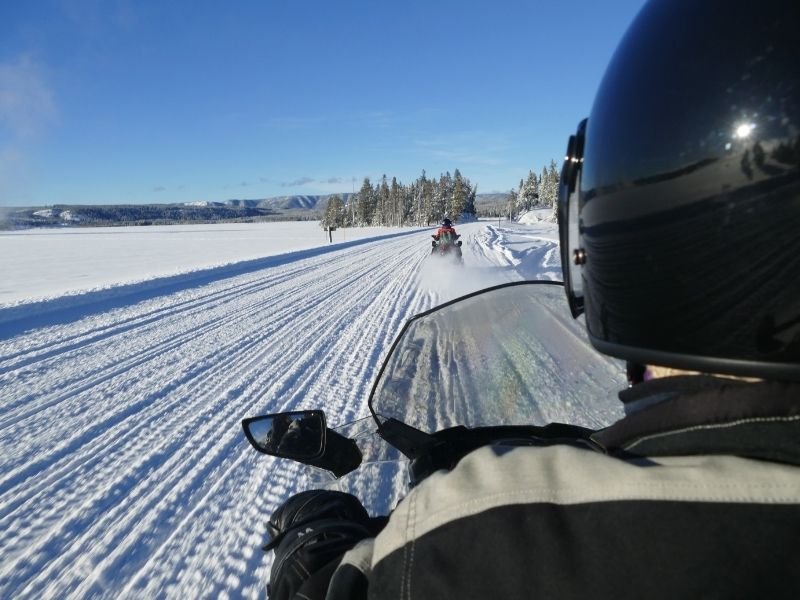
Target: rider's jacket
(694, 494)
(444, 230)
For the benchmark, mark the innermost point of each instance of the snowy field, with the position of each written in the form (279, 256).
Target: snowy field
(43, 263)
(129, 356)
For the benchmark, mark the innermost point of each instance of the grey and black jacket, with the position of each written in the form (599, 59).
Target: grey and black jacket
(695, 494)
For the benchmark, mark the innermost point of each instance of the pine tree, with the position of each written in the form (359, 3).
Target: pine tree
(458, 196)
(555, 178)
(469, 203)
(418, 204)
(350, 211)
(407, 203)
(334, 213)
(428, 200)
(530, 192)
(383, 207)
(420, 210)
(394, 205)
(365, 204)
(439, 199)
(445, 197)
(549, 185)
(512, 203)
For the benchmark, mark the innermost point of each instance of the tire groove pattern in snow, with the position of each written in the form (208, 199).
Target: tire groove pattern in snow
(73, 449)
(157, 314)
(158, 348)
(160, 313)
(309, 376)
(254, 575)
(116, 326)
(56, 568)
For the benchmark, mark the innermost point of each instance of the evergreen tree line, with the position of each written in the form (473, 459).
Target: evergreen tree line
(393, 204)
(535, 192)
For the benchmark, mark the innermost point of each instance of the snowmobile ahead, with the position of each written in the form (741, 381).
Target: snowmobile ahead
(445, 242)
(447, 245)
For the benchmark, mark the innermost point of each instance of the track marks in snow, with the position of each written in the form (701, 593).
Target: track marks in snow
(136, 431)
(530, 252)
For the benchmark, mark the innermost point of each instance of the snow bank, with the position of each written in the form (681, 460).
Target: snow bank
(539, 215)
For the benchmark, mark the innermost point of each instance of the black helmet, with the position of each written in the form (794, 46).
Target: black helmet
(679, 206)
(447, 222)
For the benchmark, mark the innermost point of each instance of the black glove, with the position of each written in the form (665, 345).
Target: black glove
(309, 531)
(313, 505)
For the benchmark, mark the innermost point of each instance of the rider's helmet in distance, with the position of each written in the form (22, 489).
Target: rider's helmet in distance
(679, 207)
(447, 222)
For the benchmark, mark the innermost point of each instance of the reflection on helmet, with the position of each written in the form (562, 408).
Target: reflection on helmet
(447, 223)
(688, 191)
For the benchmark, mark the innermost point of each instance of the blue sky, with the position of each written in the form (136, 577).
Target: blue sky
(122, 101)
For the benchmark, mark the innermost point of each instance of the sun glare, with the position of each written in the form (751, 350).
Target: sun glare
(744, 130)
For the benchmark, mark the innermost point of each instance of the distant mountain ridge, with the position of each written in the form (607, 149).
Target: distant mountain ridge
(293, 202)
(278, 208)
(308, 202)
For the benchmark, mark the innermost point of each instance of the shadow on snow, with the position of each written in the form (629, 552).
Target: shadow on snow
(15, 320)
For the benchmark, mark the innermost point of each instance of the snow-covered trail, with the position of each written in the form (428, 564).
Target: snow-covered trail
(124, 469)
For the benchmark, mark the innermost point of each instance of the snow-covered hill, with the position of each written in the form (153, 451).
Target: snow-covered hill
(124, 469)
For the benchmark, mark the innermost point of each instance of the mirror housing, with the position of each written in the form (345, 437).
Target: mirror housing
(297, 435)
(309, 442)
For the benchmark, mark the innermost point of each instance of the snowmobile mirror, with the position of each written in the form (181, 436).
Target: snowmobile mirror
(303, 436)
(298, 435)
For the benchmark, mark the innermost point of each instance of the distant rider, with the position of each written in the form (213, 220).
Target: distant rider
(446, 231)
(446, 234)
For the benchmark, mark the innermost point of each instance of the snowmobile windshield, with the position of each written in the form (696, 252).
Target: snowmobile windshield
(508, 355)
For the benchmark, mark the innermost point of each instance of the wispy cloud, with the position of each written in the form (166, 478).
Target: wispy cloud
(27, 104)
(298, 182)
(309, 185)
(27, 107)
(95, 17)
(466, 147)
(159, 188)
(10, 169)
